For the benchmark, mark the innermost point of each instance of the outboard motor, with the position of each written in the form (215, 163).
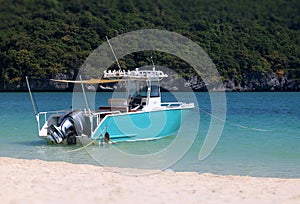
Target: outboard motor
(72, 124)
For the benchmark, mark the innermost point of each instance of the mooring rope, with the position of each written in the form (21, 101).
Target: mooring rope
(90, 143)
(234, 124)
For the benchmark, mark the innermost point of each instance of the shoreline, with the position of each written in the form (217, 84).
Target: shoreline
(37, 181)
(196, 91)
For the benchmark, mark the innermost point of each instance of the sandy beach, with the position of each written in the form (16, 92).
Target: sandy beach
(36, 181)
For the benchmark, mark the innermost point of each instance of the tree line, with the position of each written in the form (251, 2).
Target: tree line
(46, 38)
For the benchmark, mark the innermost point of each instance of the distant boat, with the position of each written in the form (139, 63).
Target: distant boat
(141, 115)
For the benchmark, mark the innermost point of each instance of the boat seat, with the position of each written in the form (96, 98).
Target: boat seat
(117, 102)
(122, 109)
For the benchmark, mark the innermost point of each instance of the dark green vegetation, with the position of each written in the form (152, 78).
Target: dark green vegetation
(245, 38)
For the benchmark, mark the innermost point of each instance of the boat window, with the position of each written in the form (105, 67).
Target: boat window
(154, 89)
(143, 91)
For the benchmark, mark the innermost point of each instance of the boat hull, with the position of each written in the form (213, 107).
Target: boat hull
(143, 125)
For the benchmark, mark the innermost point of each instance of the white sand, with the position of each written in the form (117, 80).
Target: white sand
(35, 181)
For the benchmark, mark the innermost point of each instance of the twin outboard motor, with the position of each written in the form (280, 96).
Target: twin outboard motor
(72, 124)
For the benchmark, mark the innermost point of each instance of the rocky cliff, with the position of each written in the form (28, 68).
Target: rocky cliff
(250, 82)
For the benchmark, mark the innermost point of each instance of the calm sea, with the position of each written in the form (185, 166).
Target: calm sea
(261, 136)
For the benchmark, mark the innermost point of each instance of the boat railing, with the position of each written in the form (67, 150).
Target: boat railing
(172, 104)
(46, 114)
(43, 117)
(177, 104)
(100, 115)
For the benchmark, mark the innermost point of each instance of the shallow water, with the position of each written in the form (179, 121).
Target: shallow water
(261, 136)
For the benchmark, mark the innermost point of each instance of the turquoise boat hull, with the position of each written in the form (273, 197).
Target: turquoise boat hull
(141, 125)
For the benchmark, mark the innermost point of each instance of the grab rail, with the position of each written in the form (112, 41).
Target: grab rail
(172, 104)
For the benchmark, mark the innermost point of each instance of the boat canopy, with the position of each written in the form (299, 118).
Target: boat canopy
(136, 74)
(89, 81)
(118, 76)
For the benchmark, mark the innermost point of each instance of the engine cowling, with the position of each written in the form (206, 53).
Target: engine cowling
(72, 124)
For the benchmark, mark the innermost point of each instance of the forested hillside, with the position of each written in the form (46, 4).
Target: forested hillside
(254, 44)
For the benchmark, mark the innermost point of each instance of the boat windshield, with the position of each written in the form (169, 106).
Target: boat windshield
(141, 92)
(154, 89)
(142, 89)
(137, 88)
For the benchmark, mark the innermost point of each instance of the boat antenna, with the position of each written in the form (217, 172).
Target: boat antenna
(113, 53)
(152, 63)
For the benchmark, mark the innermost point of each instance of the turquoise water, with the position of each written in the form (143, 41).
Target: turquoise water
(261, 135)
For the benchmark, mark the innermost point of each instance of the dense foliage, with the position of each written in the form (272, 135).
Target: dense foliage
(45, 38)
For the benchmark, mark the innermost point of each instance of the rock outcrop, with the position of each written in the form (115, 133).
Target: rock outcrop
(250, 82)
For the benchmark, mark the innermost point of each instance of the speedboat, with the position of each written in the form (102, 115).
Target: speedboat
(140, 115)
